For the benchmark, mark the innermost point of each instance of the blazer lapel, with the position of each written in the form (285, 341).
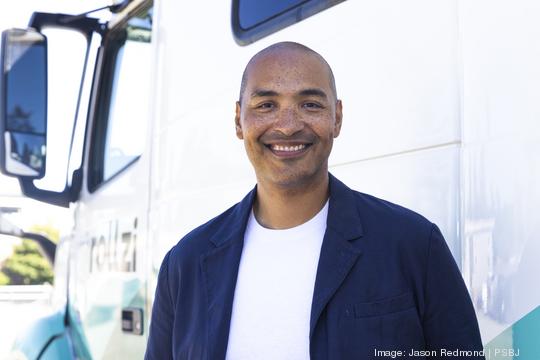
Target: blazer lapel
(338, 255)
(220, 270)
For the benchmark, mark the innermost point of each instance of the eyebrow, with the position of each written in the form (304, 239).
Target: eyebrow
(305, 92)
(314, 92)
(263, 93)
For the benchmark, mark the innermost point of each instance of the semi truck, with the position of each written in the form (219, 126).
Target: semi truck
(125, 115)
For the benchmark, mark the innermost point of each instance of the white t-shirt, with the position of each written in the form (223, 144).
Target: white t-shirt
(274, 291)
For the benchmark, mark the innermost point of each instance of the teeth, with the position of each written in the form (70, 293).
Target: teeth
(288, 148)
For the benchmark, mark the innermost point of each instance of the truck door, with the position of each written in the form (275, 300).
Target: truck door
(107, 285)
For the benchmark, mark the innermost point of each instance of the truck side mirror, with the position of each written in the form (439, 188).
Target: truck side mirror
(23, 103)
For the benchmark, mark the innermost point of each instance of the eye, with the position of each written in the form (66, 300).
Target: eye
(265, 105)
(311, 105)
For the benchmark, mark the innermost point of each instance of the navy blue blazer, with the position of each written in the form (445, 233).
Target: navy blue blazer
(386, 281)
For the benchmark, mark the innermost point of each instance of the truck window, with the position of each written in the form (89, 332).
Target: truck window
(255, 19)
(120, 125)
(254, 12)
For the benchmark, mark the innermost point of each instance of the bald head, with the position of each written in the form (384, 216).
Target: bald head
(283, 50)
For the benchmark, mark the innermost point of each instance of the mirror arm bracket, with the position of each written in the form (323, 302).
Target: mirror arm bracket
(46, 246)
(60, 198)
(85, 24)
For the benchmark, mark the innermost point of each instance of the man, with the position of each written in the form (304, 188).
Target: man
(304, 267)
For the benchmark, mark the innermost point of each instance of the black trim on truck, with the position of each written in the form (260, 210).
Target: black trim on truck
(251, 20)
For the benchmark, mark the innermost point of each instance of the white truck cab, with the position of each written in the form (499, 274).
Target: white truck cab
(430, 102)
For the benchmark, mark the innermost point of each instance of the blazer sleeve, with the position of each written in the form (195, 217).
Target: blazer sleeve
(449, 320)
(161, 324)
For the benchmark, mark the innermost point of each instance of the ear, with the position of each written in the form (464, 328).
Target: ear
(339, 118)
(239, 133)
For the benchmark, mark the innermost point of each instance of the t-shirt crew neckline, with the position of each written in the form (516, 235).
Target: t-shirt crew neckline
(319, 218)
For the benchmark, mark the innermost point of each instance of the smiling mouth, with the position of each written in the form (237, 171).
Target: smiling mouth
(288, 150)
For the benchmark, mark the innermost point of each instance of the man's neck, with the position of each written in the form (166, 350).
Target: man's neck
(279, 208)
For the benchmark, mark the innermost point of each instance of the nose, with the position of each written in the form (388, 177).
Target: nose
(289, 122)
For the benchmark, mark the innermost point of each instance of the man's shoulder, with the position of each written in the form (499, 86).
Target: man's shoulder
(384, 209)
(395, 221)
(376, 211)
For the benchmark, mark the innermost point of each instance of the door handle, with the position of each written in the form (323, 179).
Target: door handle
(132, 320)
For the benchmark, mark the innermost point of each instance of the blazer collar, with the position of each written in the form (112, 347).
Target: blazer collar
(233, 230)
(343, 215)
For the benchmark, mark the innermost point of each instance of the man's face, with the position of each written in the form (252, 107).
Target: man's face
(288, 117)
